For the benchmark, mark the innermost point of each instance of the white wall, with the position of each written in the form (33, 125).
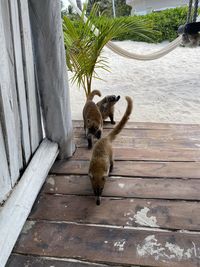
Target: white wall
(147, 6)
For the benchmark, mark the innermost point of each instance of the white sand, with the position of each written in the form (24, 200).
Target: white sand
(164, 90)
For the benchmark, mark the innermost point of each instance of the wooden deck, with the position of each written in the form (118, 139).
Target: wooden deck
(149, 215)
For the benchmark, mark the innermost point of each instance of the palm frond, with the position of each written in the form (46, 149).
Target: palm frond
(84, 49)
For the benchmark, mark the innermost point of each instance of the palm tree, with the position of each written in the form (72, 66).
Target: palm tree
(84, 49)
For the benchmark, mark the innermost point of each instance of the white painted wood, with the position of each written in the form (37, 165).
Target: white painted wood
(32, 102)
(7, 111)
(52, 73)
(147, 6)
(16, 209)
(5, 182)
(11, 63)
(20, 80)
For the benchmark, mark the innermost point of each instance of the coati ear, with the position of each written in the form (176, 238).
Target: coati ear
(118, 97)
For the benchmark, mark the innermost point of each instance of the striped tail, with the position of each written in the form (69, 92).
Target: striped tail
(93, 93)
(117, 129)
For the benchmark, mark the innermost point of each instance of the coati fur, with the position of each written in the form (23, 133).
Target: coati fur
(93, 122)
(106, 106)
(101, 163)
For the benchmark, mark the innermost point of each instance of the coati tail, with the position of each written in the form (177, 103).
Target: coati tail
(117, 129)
(93, 93)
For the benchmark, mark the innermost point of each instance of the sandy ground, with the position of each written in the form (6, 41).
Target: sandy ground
(164, 90)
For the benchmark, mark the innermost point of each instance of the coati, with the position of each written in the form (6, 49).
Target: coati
(101, 162)
(106, 106)
(93, 122)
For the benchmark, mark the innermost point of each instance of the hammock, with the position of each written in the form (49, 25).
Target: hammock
(122, 52)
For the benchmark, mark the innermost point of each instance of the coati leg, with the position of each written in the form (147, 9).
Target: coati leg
(111, 166)
(89, 138)
(111, 116)
(111, 163)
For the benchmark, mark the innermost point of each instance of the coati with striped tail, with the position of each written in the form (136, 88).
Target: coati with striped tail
(106, 106)
(93, 122)
(101, 162)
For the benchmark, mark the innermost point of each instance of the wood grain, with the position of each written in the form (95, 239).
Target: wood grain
(142, 154)
(17, 208)
(17, 260)
(145, 125)
(52, 74)
(126, 187)
(20, 82)
(32, 98)
(110, 245)
(130, 142)
(7, 110)
(134, 169)
(121, 212)
(5, 181)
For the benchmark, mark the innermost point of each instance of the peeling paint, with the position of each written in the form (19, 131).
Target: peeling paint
(141, 218)
(51, 181)
(120, 244)
(28, 226)
(168, 251)
(121, 185)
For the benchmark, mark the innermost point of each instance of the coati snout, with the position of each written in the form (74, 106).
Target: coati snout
(106, 107)
(98, 186)
(94, 130)
(113, 98)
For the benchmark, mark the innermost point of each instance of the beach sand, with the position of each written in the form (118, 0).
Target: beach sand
(163, 90)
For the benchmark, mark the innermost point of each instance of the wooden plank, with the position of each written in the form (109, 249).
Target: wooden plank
(145, 154)
(32, 101)
(11, 63)
(51, 72)
(165, 214)
(126, 187)
(165, 134)
(16, 209)
(20, 80)
(5, 182)
(7, 111)
(130, 142)
(134, 169)
(145, 125)
(17, 260)
(110, 245)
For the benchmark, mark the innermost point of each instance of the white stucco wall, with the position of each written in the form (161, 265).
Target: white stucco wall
(147, 6)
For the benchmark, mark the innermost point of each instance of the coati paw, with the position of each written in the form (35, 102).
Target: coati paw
(111, 167)
(89, 144)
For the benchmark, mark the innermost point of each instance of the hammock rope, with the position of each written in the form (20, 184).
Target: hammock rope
(151, 56)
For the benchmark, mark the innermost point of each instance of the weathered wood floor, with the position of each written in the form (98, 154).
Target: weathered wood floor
(149, 215)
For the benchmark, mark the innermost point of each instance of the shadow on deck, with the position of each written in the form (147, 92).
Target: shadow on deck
(149, 215)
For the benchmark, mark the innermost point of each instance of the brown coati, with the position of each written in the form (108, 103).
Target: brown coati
(101, 162)
(93, 123)
(106, 106)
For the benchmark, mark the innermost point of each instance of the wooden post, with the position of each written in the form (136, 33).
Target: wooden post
(51, 68)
